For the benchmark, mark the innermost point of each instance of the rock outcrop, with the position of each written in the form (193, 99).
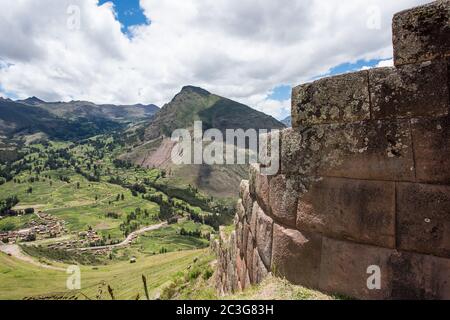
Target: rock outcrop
(361, 206)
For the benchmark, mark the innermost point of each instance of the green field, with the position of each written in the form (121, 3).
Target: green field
(77, 204)
(83, 185)
(20, 279)
(170, 238)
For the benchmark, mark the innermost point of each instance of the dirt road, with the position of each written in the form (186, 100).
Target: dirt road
(15, 251)
(132, 236)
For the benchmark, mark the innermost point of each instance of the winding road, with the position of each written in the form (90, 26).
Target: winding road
(15, 251)
(128, 240)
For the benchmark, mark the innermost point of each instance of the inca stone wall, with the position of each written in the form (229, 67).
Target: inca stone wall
(364, 179)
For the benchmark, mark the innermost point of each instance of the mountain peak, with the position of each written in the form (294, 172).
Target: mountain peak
(197, 90)
(32, 101)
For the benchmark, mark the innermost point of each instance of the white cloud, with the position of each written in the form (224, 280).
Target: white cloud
(239, 49)
(381, 64)
(385, 63)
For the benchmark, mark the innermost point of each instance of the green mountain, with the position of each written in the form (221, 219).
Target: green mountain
(154, 147)
(88, 110)
(194, 103)
(18, 119)
(65, 120)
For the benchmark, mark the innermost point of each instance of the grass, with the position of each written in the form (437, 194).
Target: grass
(20, 279)
(15, 223)
(81, 207)
(83, 204)
(171, 240)
(69, 257)
(273, 288)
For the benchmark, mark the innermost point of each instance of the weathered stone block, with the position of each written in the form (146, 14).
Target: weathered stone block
(247, 200)
(243, 188)
(269, 152)
(296, 256)
(423, 218)
(241, 269)
(264, 233)
(247, 283)
(239, 234)
(283, 198)
(259, 186)
(358, 210)
(431, 140)
(380, 150)
(259, 269)
(240, 211)
(345, 265)
(249, 256)
(422, 33)
(256, 212)
(343, 98)
(245, 235)
(409, 91)
(417, 276)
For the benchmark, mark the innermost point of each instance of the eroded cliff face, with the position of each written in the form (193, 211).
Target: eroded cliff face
(361, 205)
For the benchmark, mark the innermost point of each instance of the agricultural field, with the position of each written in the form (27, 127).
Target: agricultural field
(23, 280)
(85, 188)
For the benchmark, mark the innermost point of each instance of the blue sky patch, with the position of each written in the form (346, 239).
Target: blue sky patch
(281, 93)
(349, 67)
(129, 13)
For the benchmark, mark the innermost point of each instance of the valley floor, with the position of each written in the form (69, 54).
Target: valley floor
(21, 279)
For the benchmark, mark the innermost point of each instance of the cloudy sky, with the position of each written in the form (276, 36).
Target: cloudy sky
(130, 51)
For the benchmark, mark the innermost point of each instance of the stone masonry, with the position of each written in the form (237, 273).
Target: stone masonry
(364, 180)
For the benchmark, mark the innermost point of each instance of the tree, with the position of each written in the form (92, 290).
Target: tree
(165, 211)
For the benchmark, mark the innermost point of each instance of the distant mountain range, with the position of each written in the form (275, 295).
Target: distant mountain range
(89, 110)
(287, 122)
(66, 120)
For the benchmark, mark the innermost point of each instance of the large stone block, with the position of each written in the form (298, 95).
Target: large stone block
(409, 91)
(417, 276)
(259, 186)
(346, 268)
(254, 220)
(249, 256)
(240, 211)
(380, 150)
(264, 232)
(431, 140)
(245, 235)
(343, 98)
(259, 269)
(239, 234)
(243, 188)
(423, 218)
(241, 269)
(422, 33)
(296, 256)
(283, 198)
(247, 200)
(358, 210)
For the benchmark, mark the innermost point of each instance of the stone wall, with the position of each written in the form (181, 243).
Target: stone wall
(364, 179)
